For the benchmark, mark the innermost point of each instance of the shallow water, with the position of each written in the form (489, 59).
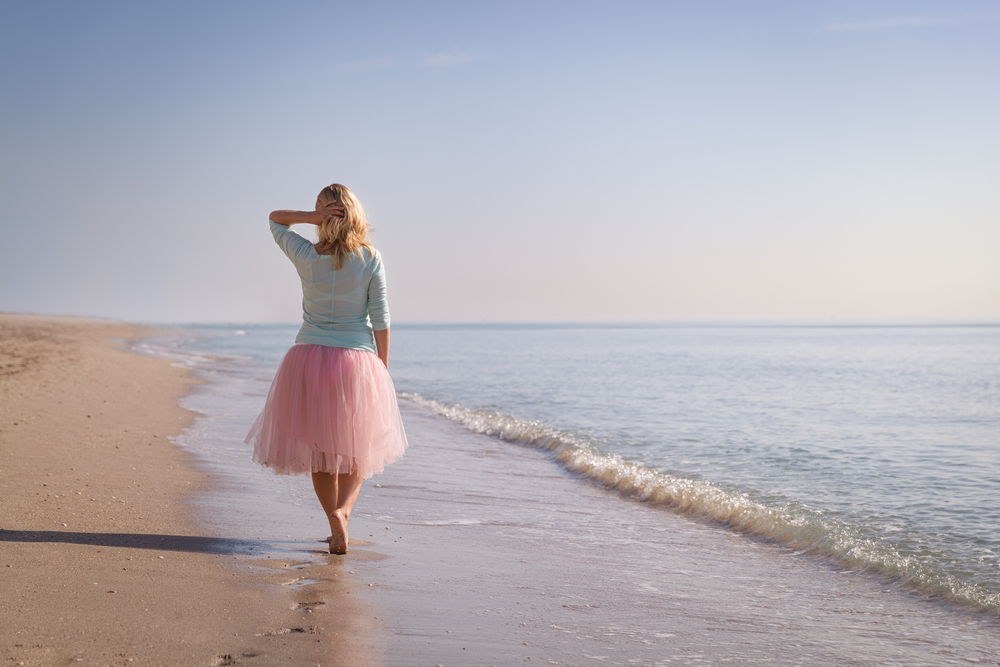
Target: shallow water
(871, 447)
(876, 447)
(489, 554)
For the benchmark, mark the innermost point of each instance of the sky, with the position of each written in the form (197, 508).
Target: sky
(519, 162)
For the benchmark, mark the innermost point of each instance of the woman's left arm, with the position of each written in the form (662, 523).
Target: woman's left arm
(316, 217)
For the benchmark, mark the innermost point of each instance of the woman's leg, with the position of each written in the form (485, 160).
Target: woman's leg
(337, 494)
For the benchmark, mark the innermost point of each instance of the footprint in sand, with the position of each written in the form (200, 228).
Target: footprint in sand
(309, 605)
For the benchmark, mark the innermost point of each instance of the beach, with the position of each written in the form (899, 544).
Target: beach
(100, 559)
(124, 542)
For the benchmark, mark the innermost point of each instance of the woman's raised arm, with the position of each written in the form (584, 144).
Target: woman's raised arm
(307, 217)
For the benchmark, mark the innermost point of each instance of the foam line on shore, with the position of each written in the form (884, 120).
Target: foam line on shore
(789, 524)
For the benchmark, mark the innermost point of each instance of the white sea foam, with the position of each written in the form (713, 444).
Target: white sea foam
(789, 524)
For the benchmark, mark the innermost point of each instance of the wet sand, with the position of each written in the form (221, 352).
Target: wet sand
(101, 561)
(473, 551)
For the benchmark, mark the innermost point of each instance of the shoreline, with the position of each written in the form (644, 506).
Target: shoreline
(491, 553)
(101, 557)
(469, 550)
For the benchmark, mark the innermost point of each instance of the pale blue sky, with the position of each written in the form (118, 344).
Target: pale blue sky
(520, 161)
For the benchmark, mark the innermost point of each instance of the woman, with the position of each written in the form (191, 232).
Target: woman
(332, 410)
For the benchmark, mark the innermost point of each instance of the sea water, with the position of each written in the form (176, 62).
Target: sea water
(876, 448)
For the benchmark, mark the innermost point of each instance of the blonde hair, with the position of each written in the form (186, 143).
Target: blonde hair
(341, 236)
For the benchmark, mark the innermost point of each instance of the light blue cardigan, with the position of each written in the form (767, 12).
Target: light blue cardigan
(340, 308)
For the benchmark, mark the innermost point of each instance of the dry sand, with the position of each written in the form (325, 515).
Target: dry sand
(100, 561)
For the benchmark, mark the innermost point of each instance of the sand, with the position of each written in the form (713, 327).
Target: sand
(100, 560)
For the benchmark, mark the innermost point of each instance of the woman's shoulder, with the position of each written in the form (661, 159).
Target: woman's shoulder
(368, 254)
(297, 247)
(361, 259)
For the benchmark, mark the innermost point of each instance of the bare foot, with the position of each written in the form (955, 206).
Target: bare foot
(338, 526)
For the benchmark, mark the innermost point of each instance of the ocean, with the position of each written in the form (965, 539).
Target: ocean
(872, 448)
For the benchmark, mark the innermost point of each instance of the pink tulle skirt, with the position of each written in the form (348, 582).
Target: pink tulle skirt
(330, 409)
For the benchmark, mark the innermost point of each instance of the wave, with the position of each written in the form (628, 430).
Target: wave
(176, 350)
(789, 524)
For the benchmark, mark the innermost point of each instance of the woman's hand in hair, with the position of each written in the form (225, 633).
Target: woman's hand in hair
(331, 209)
(308, 217)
